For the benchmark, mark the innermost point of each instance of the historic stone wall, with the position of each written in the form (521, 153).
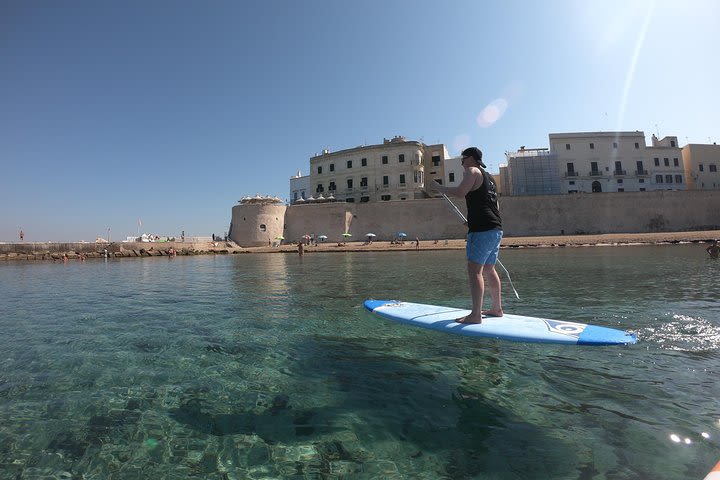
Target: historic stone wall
(621, 212)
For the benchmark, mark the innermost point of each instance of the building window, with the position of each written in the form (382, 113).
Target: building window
(571, 169)
(384, 160)
(641, 180)
(666, 161)
(567, 146)
(349, 164)
(332, 167)
(701, 168)
(319, 188)
(350, 200)
(592, 146)
(349, 182)
(263, 227)
(637, 145)
(402, 179)
(618, 168)
(385, 198)
(401, 158)
(451, 177)
(572, 182)
(672, 143)
(713, 167)
(363, 182)
(658, 179)
(436, 160)
(363, 162)
(319, 170)
(614, 144)
(678, 178)
(642, 189)
(620, 180)
(364, 199)
(594, 168)
(331, 187)
(386, 180)
(657, 161)
(621, 189)
(676, 162)
(668, 178)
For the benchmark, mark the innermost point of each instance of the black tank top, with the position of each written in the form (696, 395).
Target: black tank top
(482, 206)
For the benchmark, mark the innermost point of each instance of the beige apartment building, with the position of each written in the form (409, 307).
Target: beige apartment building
(616, 162)
(397, 169)
(701, 162)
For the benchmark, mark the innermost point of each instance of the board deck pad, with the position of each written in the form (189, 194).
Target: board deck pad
(518, 328)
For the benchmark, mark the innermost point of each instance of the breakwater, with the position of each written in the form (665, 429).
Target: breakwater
(77, 250)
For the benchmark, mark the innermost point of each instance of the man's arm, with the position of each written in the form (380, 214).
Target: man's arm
(469, 177)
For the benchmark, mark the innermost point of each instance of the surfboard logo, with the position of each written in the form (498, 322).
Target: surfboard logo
(566, 328)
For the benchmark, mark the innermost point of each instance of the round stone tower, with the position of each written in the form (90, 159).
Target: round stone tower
(257, 221)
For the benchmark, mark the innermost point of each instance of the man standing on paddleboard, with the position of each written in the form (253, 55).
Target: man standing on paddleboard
(484, 233)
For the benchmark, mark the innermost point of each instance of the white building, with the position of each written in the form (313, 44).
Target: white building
(616, 162)
(299, 187)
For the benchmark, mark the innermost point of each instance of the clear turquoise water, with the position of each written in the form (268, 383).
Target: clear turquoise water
(266, 366)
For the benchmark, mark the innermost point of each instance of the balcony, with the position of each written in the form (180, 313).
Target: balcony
(570, 174)
(620, 173)
(641, 173)
(595, 173)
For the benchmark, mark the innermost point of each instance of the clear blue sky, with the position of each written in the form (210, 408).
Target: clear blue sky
(171, 111)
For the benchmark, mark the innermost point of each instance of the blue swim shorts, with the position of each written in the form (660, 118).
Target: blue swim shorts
(483, 247)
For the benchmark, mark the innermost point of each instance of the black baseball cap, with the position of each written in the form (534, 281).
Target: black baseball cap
(475, 153)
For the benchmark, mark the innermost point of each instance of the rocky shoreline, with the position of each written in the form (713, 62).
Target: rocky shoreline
(50, 252)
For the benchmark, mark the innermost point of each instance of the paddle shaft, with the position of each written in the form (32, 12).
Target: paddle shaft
(460, 214)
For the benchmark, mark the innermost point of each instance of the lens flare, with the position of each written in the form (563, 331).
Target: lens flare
(492, 112)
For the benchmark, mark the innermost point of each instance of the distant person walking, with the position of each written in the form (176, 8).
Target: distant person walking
(713, 250)
(484, 233)
(301, 249)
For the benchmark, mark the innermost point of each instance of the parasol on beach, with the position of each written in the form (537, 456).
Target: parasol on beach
(402, 234)
(370, 235)
(322, 237)
(347, 235)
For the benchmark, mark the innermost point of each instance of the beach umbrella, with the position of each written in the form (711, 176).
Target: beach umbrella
(370, 235)
(402, 234)
(306, 236)
(347, 234)
(322, 237)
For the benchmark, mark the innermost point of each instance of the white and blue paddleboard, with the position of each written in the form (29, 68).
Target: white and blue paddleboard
(518, 328)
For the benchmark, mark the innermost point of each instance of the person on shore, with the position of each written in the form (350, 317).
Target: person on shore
(417, 243)
(713, 250)
(484, 233)
(301, 249)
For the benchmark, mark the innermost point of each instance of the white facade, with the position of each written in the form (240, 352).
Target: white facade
(454, 171)
(299, 187)
(616, 162)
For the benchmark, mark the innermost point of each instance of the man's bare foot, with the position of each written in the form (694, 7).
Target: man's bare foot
(470, 319)
(492, 313)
